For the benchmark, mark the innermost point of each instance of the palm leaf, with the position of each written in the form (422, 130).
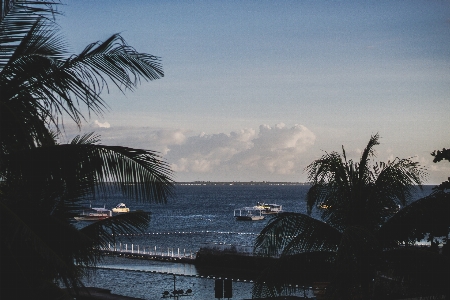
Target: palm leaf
(356, 198)
(326, 173)
(38, 85)
(104, 232)
(428, 215)
(356, 193)
(42, 243)
(79, 168)
(365, 157)
(17, 18)
(397, 179)
(291, 233)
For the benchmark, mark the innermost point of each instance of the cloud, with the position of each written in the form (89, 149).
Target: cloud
(274, 150)
(102, 125)
(272, 153)
(160, 140)
(266, 153)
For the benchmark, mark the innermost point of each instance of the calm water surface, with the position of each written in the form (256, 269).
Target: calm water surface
(195, 216)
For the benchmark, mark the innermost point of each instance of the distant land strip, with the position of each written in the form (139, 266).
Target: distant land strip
(240, 183)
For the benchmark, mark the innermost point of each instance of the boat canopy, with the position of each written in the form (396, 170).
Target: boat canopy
(100, 209)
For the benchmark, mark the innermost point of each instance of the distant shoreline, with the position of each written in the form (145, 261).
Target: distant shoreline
(240, 183)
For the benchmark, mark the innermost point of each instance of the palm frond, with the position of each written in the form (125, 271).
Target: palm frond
(86, 139)
(366, 155)
(284, 275)
(104, 232)
(329, 173)
(357, 193)
(16, 19)
(25, 110)
(39, 85)
(428, 215)
(79, 168)
(38, 245)
(118, 61)
(292, 233)
(356, 199)
(397, 179)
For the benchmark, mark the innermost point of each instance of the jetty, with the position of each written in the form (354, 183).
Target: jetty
(222, 261)
(169, 254)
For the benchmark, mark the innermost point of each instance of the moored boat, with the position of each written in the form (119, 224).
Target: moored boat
(268, 209)
(120, 208)
(248, 214)
(94, 214)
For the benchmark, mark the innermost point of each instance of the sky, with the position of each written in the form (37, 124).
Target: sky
(258, 90)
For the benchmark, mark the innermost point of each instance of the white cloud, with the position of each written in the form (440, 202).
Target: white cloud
(102, 125)
(270, 153)
(273, 153)
(160, 140)
(274, 150)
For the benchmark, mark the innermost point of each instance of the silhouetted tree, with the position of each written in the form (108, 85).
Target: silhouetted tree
(43, 183)
(440, 155)
(361, 226)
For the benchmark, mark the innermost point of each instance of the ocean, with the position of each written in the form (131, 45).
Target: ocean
(196, 216)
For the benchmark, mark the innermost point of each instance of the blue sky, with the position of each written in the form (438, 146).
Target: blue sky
(256, 90)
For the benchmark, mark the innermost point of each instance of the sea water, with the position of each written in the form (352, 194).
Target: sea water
(197, 215)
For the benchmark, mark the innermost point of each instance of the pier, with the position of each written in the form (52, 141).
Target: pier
(152, 253)
(211, 262)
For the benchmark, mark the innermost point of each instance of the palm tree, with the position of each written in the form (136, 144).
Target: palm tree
(42, 183)
(360, 226)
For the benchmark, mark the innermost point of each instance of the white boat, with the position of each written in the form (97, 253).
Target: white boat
(120, 208)
(248, 214)
(94, 214)
(323, 206)
(268, 209)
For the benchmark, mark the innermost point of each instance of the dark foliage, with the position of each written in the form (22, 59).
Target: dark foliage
(367, 219)
(42, 183)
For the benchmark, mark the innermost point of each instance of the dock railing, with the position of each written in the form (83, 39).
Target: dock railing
(152, 251)
(173, 252)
